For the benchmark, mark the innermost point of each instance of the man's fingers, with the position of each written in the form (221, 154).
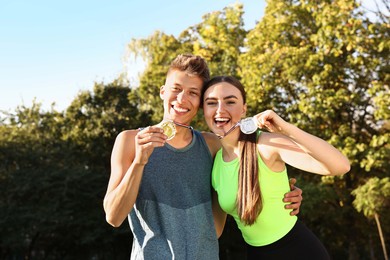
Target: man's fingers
(296, 199)
(151, 134)
(297, 192)
(292, 181)
(294, 212)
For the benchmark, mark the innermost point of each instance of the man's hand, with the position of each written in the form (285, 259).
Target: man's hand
(145, 141)
(293, 198)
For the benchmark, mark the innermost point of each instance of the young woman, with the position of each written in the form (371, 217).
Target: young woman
(250, 176)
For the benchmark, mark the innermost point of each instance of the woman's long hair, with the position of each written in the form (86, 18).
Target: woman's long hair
(249, 200)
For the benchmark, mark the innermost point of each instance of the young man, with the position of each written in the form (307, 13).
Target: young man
(162, 185)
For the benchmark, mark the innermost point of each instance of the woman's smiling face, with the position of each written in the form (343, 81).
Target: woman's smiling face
(223, 107)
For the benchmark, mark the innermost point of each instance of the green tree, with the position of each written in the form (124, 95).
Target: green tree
(53, 173)
(30, 143)
(371, 198)
(219, 39)
(324, 66)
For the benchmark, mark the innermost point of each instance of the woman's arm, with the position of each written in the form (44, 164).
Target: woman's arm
(301, 149)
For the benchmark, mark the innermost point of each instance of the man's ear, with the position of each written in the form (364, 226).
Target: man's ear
(162, 91)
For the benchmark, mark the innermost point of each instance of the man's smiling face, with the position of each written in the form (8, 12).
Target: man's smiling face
(181, 94)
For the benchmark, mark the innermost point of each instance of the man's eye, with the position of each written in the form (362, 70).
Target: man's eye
(194, 93)
(211, 103)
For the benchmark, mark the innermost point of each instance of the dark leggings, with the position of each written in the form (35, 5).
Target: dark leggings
(300, 243)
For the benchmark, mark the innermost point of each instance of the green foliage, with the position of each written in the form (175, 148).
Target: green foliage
(219, 39)
(373, 196)
(324, 67)
(54, 171)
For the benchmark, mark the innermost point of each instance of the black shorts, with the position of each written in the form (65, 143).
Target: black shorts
(300, 243)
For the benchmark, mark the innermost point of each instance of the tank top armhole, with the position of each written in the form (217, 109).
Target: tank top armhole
(258, 133)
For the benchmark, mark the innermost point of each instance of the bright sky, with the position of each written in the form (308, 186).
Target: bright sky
(50, 50)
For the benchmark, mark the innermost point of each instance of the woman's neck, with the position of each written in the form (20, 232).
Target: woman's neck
(230, 148)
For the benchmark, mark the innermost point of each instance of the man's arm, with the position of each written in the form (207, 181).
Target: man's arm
(218, 214)
(130, 153)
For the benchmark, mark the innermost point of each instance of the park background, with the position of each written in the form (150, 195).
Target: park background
(322, 65)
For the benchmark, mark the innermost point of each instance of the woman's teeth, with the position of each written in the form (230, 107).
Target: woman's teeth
(221, 121)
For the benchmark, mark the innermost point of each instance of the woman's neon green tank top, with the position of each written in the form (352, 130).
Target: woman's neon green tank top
(274, 220)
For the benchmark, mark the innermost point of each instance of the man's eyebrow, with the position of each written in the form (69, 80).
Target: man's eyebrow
(194, 88)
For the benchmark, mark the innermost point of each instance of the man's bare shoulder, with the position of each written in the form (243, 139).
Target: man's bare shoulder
(126, 137)
(127, 134)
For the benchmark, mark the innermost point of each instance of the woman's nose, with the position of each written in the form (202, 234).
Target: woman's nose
(220, 108)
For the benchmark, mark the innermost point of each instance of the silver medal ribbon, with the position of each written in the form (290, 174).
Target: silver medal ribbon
(247, 126)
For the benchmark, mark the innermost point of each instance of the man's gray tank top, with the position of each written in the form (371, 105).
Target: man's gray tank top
(172, 217)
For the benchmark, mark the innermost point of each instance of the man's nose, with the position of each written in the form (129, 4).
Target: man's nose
(181, 97)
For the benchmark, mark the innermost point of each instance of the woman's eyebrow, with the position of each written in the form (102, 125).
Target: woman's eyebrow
(210, 98)
(231, 96)
(227, 97)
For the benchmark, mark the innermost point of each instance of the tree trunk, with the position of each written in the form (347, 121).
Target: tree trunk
(381, 235)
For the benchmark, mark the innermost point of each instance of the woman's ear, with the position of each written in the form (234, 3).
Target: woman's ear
(162, 91)
(243, 114)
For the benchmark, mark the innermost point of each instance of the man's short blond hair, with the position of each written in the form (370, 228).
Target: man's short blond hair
(191, 64)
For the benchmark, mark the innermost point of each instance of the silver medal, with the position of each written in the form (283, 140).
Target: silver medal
(248, 125)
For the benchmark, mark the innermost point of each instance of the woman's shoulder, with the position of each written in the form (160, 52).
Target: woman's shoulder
(212, 141)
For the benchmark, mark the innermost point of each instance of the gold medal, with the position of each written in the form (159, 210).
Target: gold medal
(169, 128)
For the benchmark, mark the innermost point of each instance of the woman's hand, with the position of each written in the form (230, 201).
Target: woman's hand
(270, 121)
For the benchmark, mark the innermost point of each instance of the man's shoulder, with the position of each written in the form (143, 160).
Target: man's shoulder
(126, 136)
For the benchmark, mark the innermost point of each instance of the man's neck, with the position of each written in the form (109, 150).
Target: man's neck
(183, 137)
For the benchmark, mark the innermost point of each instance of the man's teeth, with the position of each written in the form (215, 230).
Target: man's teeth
(178, 109)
